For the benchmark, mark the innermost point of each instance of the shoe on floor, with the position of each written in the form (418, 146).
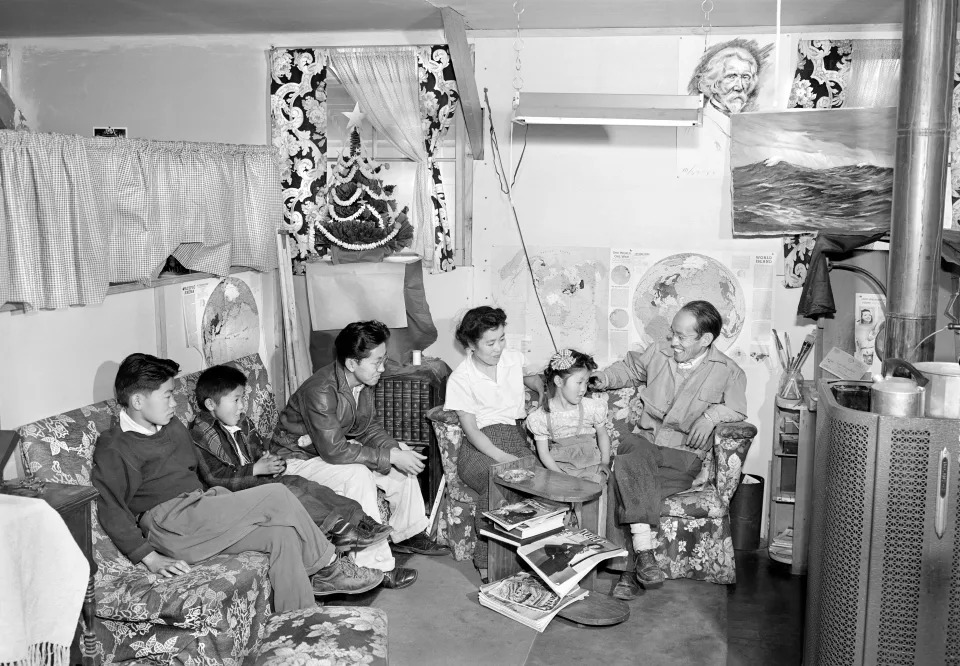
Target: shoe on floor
(345, 577)
(399, 578)
(648, 571)
(420, 544)
(627, 587)
(347, 536)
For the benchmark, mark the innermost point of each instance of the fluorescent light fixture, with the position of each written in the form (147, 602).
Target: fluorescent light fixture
(589, 109)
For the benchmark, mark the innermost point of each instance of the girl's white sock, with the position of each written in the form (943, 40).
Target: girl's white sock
(642, 538)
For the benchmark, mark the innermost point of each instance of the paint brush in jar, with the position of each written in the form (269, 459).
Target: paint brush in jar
(805, 348)
(781, 354)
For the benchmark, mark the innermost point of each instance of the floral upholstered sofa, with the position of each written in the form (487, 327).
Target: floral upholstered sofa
(219, 612)
(693, 540)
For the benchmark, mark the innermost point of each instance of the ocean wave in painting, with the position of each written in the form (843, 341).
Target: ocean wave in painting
(777, 199)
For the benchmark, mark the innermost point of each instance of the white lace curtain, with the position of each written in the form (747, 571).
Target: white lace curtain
(81, 213)
(874, 78)
(385, 82)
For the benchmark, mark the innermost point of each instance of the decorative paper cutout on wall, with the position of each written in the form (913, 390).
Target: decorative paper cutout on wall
(797, 251)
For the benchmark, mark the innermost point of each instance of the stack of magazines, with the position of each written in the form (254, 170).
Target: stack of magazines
(559, 561)
(523, 598)
(563, 559)
(524, 522)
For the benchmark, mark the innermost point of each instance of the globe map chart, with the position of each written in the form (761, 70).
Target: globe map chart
(231, 322)
(678, 279)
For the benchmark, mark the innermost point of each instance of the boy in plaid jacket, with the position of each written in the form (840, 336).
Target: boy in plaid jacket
(232, 455)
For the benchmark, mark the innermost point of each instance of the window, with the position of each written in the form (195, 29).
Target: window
(453, 158)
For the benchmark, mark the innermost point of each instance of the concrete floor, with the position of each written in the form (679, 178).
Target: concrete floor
(439, 621)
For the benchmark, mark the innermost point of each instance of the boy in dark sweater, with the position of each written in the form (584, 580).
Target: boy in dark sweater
(154, 507)
(232, 455)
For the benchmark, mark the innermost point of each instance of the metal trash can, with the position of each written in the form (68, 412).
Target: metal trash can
(746, 512)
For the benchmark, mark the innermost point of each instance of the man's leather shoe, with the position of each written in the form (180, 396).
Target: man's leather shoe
(420, 544)
(344, 577)
(648, 571)
(399, 578)
(627, 587)
(346, 536)
(368, 525)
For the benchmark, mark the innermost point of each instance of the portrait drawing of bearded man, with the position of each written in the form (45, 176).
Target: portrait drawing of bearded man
(728, 75)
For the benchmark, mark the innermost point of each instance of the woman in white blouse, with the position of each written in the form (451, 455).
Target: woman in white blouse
(487, 392)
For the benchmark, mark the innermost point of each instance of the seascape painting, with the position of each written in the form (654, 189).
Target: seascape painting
(807, 171)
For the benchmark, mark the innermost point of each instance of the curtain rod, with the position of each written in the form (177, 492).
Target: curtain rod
(361, 46)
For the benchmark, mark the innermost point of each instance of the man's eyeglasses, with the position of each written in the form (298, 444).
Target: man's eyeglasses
(673, 335)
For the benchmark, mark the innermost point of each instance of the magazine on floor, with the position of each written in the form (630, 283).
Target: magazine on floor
(523, 519)
(564, 558)
(524, 598)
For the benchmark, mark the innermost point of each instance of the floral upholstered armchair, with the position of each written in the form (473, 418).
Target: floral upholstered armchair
(219, 612)
(693, 540)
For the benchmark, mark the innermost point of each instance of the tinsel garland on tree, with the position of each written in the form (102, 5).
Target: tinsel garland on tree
(361, 212)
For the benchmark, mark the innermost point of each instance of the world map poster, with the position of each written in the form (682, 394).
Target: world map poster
(606, 302)
(572, 285)
(222, 319)
(648, 287)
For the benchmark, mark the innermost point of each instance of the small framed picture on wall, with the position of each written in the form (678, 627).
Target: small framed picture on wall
(110, 132)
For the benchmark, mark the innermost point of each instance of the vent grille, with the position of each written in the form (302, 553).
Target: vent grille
(903, 547)
(953, 613)
(839, 585)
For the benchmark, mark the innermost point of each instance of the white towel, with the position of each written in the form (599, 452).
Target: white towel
(43, 579)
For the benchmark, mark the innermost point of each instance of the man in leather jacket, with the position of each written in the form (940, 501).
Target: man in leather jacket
(328, 433)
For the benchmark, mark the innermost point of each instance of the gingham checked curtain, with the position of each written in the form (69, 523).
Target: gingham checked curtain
(53, 239)
(81, 213)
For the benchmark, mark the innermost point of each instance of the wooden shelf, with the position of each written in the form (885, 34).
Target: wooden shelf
(791, 477)
(123, 287)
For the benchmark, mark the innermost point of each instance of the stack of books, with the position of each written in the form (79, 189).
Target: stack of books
(523, 598)
(524, 522)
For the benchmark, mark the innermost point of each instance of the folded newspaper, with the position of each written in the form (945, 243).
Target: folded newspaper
(563, 559)
(523, 598)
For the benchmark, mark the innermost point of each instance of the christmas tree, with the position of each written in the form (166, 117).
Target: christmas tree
(361, 211)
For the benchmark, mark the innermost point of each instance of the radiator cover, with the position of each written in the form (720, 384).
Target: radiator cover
(883, 587)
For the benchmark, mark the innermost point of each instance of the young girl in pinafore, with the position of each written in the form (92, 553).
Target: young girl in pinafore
(568, 428)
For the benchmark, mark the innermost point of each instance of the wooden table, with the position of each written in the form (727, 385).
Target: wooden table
(73, 504)
(584, 496)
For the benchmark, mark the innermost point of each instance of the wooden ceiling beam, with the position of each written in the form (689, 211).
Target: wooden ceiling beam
(456, 34)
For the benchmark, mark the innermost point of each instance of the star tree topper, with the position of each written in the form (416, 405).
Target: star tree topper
(355, 117)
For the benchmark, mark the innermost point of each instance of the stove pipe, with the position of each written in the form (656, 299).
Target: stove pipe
(920, 175)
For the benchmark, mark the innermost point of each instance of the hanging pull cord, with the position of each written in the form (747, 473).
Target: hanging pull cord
(706, 25)
(507, 188)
